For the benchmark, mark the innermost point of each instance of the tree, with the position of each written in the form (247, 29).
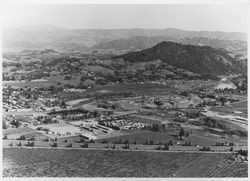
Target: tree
(126, 142)
(82, 140)
(16, 123)
(166, 147)
(126, 146)
(151, 142)
(163, 127)
(91, 141)
(181, 133)
(30, 144)
(5, 126)
(170, 142)
(155, 127)
(85, 145)
(158, 102)
(69, 145)
(104, 141)
(63, 104)
(32, 138)
(96, 113)
(22, 137)
(231, 149)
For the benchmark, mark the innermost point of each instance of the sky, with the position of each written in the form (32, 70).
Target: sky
(229, 18)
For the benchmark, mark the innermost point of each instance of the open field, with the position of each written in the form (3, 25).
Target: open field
(21, 162)
(157, 137)
(140, 138)
(27, 132)
(146, 89)
(240, 104)
(31, 84)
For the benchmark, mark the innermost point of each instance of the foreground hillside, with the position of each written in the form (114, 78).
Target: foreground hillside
(200, 60)
(21, 162)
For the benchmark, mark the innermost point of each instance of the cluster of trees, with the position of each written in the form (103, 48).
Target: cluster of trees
(54, 144)
(104, 141)
(126, 146)
(123, 142)
(107, 105)
(16, 123)
(243, 152)
(69, 145)
(22, 137)
(85, 145)
(31, 144)
(224, 144)
(166, 147)
(187, 143)
(150, 142)
(205, 148)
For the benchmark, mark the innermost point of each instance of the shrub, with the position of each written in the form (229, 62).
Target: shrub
(54, 145)
(69, 145)
(22, 137)
(85, 145)
(32, 139)
(166, 147)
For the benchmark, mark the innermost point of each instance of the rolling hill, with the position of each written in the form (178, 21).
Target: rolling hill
(197, 59)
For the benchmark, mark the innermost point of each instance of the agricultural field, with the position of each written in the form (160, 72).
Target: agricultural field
(22, 162)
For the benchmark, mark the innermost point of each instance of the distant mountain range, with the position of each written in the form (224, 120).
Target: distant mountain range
(48, 36)
(143, 42)
(197, 59)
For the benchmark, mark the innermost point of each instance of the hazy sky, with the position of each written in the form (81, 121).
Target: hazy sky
(231, 18)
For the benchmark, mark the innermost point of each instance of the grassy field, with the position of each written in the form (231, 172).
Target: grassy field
(145, 89)
(27, 132)
(240, 104)
(161, 137)
(21, 162)
(140, 138)
(31, 84)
